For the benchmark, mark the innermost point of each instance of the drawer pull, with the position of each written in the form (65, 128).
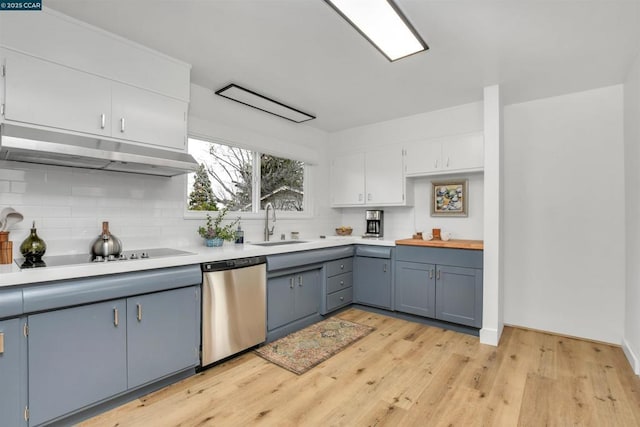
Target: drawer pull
(103, 120)
(1, 342)
(431, 274)
(341, 282)
(115, 317)
(139, 312)
(341, 266)
(384, 269)
(341, 298)
(291, 280)
(438, 275)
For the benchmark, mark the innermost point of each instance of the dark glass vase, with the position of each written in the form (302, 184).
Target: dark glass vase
(33, 247)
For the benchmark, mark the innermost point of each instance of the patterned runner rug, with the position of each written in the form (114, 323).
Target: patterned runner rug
(302, 350)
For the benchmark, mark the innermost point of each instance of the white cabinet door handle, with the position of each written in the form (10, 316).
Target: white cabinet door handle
(122, 124)
(103, 120)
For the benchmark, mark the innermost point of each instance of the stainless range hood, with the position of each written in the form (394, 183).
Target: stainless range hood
(24, 144)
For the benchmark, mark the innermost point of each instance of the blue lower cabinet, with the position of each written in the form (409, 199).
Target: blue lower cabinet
(372, 281)
(291, 297)
(162, 334)
(77, 356)
(83, 355)
(441, 283)
(13, 373)
(415, 288)
(459, 295)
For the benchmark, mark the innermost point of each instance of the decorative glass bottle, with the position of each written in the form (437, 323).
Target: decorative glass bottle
(33, 247)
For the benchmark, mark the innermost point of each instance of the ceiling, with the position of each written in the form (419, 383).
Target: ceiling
(302, 53)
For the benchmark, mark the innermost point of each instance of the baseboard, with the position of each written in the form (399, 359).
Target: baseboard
(631, 357)
(490, 336)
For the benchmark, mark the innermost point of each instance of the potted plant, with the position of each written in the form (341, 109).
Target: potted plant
(213, 233)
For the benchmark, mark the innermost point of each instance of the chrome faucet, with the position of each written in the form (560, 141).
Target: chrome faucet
(268, 232)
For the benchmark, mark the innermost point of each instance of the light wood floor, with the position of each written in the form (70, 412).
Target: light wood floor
(406, 374)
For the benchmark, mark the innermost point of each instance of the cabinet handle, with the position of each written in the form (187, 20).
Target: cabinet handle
(1, 342)
(447, 162)
(341, 298)
(139, 314)
(384, 267)
(341, 266)
(359, 197)
(103, 120)
(291, 280)
(341, 282)
(431, 274)
(300, 281)
(438, 275)
(122, 124)
(369, 197)
(115, 317)
(436, 164)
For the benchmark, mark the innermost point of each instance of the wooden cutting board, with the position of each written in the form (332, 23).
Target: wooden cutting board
(453, 243)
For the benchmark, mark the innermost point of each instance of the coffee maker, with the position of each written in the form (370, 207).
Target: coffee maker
(374, 220)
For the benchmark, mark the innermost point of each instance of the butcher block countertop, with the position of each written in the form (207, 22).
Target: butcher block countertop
(454, 244)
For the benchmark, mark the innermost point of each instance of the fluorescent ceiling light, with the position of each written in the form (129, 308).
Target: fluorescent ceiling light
(383, 24)
(261, 102)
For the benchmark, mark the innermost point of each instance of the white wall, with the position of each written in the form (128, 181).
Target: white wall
(631, 342)
(69, 205)
(402, 222)
(493, 264)
(564, 214)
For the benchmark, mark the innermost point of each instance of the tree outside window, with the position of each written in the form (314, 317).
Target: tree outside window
(224, 179)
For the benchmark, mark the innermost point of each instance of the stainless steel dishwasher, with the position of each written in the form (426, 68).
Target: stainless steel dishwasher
(234, 306)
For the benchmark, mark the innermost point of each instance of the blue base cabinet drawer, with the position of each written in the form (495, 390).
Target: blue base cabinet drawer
(339, 282)
(339, 299)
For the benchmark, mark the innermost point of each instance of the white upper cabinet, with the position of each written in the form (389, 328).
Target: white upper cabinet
(374, 178)
(347, 180)
(41, 93)
(384, 177)
(64, 74)
(452, 154)
(143, 116)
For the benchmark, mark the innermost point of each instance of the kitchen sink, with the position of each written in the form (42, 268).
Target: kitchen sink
(278, 242)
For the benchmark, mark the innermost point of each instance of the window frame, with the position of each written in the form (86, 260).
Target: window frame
(254, 214)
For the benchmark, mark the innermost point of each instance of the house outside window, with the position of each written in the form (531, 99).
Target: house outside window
(243, 180)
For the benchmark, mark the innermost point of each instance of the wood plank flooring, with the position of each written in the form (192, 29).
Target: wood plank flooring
(407, 374)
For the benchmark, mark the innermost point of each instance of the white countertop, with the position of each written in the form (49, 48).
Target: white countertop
(10, 274)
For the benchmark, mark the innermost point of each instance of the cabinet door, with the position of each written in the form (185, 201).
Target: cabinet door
(143, 116)
(280, 300)
(465, 152)
(459, 295)
(372, 281)
(162, 334)
(384, 177)
(347, 180)
(42, 93)
(307, 293)
(13, 373)
(77, 356)
(423, 157)
(415, 288)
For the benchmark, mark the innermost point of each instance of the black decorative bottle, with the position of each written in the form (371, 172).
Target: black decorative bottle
(33, 247)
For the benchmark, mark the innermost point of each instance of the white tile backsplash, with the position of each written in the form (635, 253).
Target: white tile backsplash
(69, 206)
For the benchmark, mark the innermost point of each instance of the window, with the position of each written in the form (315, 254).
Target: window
(225, 179)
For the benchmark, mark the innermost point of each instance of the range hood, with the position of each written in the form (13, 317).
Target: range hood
(25, 144)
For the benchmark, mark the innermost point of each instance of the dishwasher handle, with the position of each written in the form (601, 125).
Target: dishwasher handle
(233, 264)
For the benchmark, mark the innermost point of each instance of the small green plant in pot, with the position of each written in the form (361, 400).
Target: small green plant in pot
(213, 233)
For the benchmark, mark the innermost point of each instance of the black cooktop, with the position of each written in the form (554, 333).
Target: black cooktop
(77, 259)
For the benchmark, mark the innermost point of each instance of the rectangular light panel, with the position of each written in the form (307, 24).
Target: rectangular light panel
(383, 24)
(261, 102)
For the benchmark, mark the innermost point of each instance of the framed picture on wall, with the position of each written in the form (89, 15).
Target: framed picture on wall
(449, 198)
